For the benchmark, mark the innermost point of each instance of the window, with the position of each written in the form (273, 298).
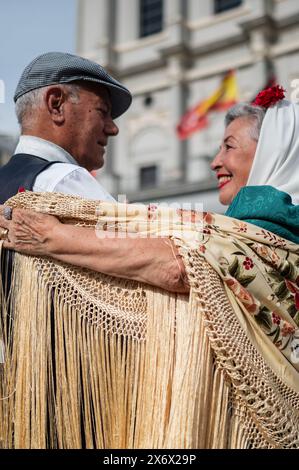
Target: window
(148, 177)
(151, 17)
(223, 5)
(148, 101)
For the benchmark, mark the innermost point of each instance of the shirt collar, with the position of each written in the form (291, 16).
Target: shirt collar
(43, 149)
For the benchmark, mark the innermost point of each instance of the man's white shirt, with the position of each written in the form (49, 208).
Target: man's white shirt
(65, 177)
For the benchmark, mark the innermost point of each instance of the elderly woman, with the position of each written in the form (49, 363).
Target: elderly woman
(258, 160)
(252, 170)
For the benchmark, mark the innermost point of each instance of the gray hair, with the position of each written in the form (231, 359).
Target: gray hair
(29, 103)
(255, 114)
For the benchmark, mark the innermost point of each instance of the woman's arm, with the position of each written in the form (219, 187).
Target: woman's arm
(155, 261)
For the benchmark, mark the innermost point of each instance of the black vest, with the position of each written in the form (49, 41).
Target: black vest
(20, 172)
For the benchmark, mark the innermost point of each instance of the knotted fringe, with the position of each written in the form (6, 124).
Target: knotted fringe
(69, 383)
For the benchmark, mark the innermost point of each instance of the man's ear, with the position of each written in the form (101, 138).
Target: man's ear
(55, 99)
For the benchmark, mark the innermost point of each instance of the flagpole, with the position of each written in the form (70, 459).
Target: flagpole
(183, 143)
(179, 100)
(269, 68)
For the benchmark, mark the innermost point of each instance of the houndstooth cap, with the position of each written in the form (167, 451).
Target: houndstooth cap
(60, 67)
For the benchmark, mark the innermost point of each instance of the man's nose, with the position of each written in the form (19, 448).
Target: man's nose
(111, 128)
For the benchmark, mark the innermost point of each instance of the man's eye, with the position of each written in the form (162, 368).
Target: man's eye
(102, 111)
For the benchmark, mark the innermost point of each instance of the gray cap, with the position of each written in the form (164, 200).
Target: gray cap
(60, 67)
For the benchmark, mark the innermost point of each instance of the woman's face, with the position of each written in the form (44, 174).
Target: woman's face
(234, 159)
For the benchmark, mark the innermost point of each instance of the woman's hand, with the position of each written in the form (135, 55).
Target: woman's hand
(30, 232)
(153, 261)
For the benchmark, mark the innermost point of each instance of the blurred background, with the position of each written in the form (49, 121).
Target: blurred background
(185, 62)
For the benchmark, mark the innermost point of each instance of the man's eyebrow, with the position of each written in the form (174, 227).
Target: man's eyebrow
(106, 105)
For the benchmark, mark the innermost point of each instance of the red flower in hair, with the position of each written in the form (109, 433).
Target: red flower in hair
(21, 189)
(269, 96)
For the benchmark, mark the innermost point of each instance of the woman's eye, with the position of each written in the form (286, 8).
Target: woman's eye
(227, 147)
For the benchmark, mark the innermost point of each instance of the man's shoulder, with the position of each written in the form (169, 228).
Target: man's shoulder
(62, 169)
(70, 179)
(59, 172)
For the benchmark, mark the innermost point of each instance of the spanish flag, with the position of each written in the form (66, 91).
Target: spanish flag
(223, 98)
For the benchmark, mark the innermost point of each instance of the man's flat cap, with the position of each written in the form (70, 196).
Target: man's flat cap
(59, 67)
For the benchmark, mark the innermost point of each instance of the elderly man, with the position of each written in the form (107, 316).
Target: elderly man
(65, 106)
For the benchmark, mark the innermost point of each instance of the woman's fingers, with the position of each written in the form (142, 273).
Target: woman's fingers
(28, 231)
(4, 223)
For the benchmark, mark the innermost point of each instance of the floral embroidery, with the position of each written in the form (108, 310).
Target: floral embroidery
(276, 318)
(189, 215)
(248, 263)
(275, 260)
(274, 239)
(208, 218)
(287, 329)
(262, 271)
(292, 287)
(243, 295)
(241, 227)
(261, 250)
(152, 210)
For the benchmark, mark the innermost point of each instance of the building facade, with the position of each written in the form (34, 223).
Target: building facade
(172, 54)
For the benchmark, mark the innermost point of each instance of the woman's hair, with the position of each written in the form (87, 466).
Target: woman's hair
(29, 103)
(255, 114)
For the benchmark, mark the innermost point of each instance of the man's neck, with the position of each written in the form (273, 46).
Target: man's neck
(43, 148)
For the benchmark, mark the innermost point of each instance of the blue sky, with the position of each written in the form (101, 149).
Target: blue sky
(29, 28)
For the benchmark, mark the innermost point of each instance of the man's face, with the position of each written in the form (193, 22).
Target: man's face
(234, 159)
(89, 125)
